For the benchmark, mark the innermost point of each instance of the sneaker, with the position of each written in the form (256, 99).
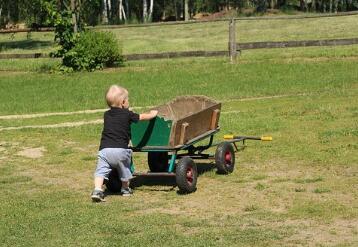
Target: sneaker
(97, 196)
(126, 191)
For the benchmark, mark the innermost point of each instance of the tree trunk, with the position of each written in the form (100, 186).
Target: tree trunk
(145, 11)
(151, 10)
(109, 10)
(175, 10)
(335, 6)
(74, 18)
(105, 12)
(120, 10)
(313, 8)
(126, 9)
(8, 12)
(59, 5)
(186, 10)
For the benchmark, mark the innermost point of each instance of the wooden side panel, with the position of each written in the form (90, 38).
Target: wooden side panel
(198, 124)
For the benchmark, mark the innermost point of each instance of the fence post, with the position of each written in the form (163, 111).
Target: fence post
(232, 41)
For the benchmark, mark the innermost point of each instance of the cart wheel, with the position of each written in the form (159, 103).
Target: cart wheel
(186, 175)
(225, 158)
(158, 161)
(113, 183)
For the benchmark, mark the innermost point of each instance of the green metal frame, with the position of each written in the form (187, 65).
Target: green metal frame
(174, 150)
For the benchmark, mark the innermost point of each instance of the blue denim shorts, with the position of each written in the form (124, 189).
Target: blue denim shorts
(114, 158)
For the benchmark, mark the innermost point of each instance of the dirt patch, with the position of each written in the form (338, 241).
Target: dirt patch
(335, 233)
(33, 153)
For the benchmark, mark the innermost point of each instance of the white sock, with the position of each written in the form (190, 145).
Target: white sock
(100, 189)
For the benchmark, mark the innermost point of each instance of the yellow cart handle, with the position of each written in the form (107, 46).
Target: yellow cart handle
(262, 138)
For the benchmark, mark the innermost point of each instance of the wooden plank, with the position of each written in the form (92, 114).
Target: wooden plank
(301, 43)
(199, 123)
(26, 30)
(240, 46)
(24, 56)
(182, 139)
(131, 57)
(215, 119)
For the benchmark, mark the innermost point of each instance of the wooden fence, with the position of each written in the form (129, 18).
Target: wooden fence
(232, 52)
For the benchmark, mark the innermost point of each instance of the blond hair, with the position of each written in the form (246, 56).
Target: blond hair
(116, 95)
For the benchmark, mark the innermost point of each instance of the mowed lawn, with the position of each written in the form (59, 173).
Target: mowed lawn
(198, 36)
(299, 189)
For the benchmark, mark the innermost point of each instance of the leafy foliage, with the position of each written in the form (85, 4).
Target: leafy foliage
(92, 50)
(64, 34)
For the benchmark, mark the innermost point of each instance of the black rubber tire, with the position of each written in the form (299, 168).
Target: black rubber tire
(158, 161)
(113, 184)
(186, 175)
(225, 158)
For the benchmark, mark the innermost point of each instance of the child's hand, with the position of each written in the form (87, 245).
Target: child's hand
(154, 113)
(149, 115)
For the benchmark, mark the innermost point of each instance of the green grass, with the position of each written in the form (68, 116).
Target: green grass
(275, 75)
(199, 36)
(299, 189)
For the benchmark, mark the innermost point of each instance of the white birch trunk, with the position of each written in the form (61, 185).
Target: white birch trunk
(120, 6)
(121, 12)
(151, 10)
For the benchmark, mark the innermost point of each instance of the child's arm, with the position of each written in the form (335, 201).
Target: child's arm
(148, 115)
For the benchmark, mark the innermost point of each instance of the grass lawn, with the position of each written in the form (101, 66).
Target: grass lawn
(199, 36)
(299, 189)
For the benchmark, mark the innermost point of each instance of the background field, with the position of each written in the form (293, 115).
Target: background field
(199, 36)
(300, 189)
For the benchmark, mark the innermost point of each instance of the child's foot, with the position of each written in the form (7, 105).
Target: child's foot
(126, 192)
(97, 196)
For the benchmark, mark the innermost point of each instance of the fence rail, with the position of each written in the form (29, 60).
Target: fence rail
(239, 46)
(27, 30)
(301, 43)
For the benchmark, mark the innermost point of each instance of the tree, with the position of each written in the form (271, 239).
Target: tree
(105, 12)
(186, 10)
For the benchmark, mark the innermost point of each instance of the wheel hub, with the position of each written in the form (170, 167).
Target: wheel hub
(189, 175)
(228, 158)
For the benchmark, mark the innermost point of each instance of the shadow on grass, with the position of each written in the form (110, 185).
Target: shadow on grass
(24, 45)
(169, 181)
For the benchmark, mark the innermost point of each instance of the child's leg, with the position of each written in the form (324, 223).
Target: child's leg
(102, 170)
(124, 167)
(98, 182)
(125, 184)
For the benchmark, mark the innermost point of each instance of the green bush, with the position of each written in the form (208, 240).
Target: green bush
(93, 50)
